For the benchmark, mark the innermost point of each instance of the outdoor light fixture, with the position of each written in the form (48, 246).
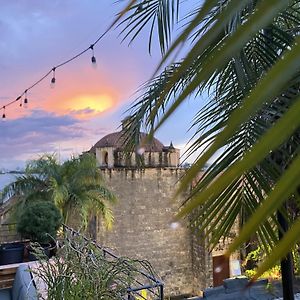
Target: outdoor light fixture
(93, 58)
(25, 101)
(19, 98)
(52, 84)
(3, 115)
(53, 79)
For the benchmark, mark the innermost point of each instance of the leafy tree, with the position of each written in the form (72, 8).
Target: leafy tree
(245, 56)
(75, 185)
(39, 221)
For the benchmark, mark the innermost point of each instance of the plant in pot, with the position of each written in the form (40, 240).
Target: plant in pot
(39, 222)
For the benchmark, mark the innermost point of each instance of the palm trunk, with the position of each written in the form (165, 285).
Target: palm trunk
(286, 263)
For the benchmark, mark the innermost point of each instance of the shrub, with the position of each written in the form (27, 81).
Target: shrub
(39, 221)
(80, 270)
(258, 255)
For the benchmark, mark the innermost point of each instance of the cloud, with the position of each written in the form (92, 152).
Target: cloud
(86, 103)
(38, 132)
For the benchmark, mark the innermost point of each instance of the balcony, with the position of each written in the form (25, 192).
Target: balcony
(130, 279)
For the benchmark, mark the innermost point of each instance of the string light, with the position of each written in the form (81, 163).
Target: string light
(53, 79)
(93, 59)
(19, 99)
(52, 84)
(3, 115)
(25, 100)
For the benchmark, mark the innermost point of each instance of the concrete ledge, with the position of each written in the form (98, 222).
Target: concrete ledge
(236, 289)
(235, 284)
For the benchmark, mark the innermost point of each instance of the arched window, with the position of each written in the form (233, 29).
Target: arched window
(105, 158)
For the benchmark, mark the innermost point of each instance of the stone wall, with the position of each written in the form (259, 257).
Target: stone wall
(202, 263)
(142, 228)
(110, 157)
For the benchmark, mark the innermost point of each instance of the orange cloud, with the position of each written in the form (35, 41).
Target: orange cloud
(86, 105)
(79, 91)
(83, 94)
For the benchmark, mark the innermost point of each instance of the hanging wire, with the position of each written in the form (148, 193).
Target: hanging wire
(52, 71)
(120, 15)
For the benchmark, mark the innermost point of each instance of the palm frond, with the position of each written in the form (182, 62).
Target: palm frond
(245, 56)
(154, 14)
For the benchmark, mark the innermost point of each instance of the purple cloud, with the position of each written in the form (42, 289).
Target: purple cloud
(39, 132)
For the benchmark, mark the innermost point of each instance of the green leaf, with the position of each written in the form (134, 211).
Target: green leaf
(269, 141)
(266, 89)
(291, 237)
(219, 56)
(287, 184)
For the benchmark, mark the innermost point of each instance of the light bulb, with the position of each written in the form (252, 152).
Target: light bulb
(20, 99)
(52, 84)
(3, 115)
(94, 62)
(25, 102)
(93, 58)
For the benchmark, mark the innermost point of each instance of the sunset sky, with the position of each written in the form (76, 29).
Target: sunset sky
(87, 102)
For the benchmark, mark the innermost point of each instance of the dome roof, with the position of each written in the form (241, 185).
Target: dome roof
(116, 140)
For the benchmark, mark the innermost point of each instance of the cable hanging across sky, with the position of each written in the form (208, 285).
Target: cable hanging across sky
(52, 71)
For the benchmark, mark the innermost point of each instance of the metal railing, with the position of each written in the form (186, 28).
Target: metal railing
(145, 286)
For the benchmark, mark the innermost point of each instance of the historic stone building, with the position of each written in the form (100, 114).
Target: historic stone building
(110, 154)
(144, 212)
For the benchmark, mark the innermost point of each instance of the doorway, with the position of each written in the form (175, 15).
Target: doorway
(220, 269)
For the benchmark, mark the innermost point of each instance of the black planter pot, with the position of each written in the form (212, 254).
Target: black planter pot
(12, 253)
(53, 250)
(31, 251)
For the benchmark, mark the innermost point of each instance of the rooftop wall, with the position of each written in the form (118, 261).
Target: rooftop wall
(142, 229)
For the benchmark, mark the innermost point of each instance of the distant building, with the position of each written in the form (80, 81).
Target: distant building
(145, 211)
(110, 153)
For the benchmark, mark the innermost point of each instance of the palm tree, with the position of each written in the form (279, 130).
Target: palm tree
(74, 186)
(246, 56)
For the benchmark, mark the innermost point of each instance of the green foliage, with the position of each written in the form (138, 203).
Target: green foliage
(257, 256)
(81, 271)
(74, 185)
(39, 221)
(245, 57)
(296, 259)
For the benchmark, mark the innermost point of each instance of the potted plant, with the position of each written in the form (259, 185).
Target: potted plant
(39, 222)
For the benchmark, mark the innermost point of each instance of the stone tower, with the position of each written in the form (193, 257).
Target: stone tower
(144, 212)
(110, 154)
